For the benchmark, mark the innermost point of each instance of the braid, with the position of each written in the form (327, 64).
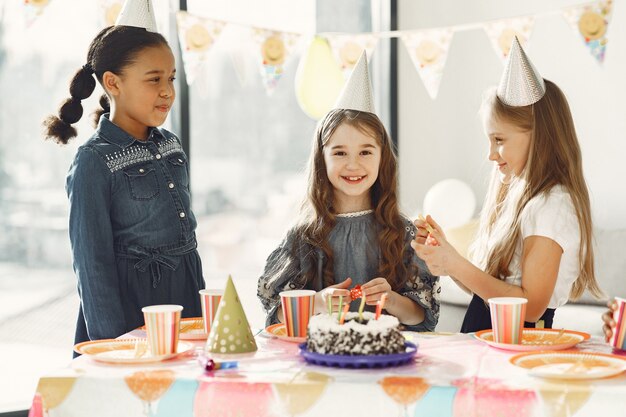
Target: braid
(59, 128)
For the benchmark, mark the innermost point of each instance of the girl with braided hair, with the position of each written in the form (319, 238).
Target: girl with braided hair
(131, 227)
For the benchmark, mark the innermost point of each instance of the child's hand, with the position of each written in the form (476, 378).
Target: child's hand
(333, 291)
(607, 318)
(375, 289)
(439, 258)
(425, 229)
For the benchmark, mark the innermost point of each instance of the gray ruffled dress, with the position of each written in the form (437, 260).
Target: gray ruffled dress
(354, 243)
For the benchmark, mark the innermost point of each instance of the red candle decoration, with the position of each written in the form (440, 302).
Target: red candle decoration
(380, 305)
(356, 293)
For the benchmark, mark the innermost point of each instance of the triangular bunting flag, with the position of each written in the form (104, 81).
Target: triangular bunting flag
(110, 11)
(33, 9)
(348, 48)
(428, 50)
(197, 35)
(502, 32)
(275, 50)
(592, 21)
(230, 332)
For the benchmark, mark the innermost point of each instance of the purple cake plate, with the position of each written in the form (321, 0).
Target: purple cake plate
(359, 361)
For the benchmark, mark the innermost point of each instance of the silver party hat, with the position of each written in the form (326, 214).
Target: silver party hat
(521, 84)
(138, 13)
(357, 93)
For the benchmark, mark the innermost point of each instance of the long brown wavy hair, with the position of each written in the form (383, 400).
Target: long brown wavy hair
(554, 159)
(318, 213)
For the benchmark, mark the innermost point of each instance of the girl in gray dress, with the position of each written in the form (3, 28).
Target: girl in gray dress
(351, 231)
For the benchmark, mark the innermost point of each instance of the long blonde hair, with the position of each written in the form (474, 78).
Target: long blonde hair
(554, 158)
(318, 213)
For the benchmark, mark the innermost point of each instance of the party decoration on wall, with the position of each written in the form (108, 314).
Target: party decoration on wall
(230, 332)
(502, 32)
(275, 49)
(450, 202)
(149, 386)
(319, 79)
(428, 50)
(110, 10)
(592, 21)
(196, 36)
(348, 49)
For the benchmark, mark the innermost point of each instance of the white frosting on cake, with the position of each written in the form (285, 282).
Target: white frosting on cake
(382, 336)
(324, 322)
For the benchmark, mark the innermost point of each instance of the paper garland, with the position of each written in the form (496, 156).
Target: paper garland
(592, 22)
(275, 48)
(196, 35)
(502, 32)
(428, 50)
(348, 48)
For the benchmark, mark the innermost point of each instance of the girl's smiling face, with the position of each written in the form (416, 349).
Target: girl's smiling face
(352, 159)
(508, 147)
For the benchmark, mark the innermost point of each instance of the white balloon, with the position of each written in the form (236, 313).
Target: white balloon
(450, 202)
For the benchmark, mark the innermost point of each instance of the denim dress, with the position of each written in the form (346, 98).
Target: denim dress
(131, 229)
(356, 254)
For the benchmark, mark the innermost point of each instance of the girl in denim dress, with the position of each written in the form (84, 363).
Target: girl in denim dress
(351, 231)
(131, 227)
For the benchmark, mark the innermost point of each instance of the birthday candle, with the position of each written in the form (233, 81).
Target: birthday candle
(362, 306)
(339, 309)
(380, 305)
(343, 314)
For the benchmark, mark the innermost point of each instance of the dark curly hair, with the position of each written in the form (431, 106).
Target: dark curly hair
(113, 49)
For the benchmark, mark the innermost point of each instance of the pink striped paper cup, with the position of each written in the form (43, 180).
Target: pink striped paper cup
(162, 327)
(210, 300)
(298, 306)
(507, 319)
(618, 340)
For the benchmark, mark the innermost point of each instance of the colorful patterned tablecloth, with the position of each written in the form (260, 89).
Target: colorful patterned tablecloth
(451, 376)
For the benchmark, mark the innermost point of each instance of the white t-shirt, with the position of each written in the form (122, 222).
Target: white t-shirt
(551, 215)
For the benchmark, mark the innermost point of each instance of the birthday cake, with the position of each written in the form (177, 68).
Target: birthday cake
(355, 336)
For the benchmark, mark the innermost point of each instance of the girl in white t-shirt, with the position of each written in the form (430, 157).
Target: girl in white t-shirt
(535, 234)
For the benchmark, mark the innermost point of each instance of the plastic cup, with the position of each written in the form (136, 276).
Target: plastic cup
(162, 327)
(298, 307)
(210, 300)
(618, 340)
(507, 319)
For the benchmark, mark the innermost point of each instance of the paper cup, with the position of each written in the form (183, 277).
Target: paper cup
(507, 319)
(162, 327)
(618, 340)
(210, 300)
(298, 306)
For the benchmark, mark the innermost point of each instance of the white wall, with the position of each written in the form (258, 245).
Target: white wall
(443, 138)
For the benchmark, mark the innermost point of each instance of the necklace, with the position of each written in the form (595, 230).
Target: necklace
(356, 213)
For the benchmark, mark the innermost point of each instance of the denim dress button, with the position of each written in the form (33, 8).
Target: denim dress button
(181, 214)
(171, 185)
(158, 156)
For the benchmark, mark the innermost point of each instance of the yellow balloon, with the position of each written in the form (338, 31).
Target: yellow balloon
(318, 79)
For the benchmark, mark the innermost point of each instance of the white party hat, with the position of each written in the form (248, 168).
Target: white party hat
(521, 84)
(138, 13)
(357, 93)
